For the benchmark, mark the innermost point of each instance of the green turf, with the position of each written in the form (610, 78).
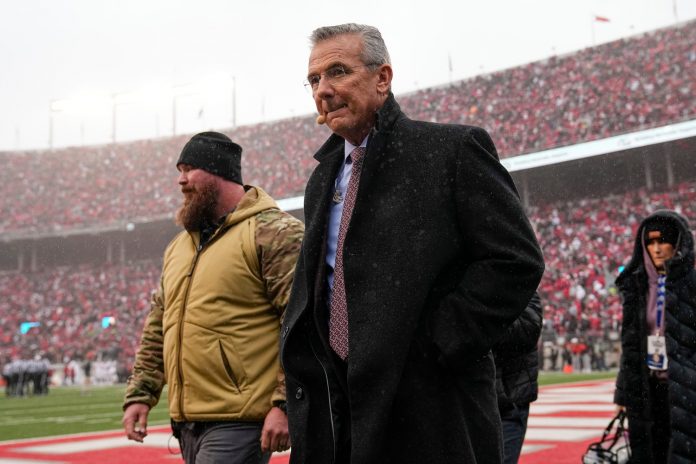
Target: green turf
(550, 378)
(67, 410)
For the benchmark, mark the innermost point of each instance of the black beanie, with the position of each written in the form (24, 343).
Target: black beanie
(215, 153)
(669, 232)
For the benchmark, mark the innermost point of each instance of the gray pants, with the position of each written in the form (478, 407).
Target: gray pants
(221, 442)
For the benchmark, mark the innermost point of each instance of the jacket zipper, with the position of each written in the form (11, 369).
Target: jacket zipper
(328, 395)
(182, 313)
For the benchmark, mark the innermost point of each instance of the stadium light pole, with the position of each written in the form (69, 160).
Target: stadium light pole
(50, 124)
(175, 97)
(234, 102)
(114, 105)
(51, 109)
(592, 26)
(449, 66)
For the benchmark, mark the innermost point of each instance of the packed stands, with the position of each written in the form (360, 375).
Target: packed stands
(585, 242)
(623, 86)
(627, 85)
(70, 304)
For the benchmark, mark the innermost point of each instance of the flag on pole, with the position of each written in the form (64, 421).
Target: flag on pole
(601, 19)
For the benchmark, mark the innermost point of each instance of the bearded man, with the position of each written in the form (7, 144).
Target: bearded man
(213, 329)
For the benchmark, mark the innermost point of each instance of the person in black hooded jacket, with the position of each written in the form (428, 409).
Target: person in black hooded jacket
(657, 377)
(516, 373)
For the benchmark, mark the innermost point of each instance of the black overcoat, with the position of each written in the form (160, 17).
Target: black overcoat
(632, 389)
(439, 259)
(517, 359)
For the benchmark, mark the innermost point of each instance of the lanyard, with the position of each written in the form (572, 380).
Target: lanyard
(660, 303)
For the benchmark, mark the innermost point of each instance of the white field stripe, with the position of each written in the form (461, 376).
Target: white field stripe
(27, 461)
(594, 389)
(155, 427)
(560, 398)
(159, 440)
(598, 423)
(54, 409)
(15, 420)
(560, 434)
(534, 448)
(99, 420)
(570, 408)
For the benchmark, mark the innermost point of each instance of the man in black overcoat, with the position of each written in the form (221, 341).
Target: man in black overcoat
(417, 256)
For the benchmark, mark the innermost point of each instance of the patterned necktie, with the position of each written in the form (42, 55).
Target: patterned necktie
(338, 317)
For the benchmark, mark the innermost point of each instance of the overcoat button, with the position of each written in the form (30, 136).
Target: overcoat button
(299, 393)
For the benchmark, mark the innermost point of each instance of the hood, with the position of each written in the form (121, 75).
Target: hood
(253, 202)
(683, 260)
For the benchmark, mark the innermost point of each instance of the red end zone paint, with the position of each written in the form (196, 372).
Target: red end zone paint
(569, 453)
(563, 422)
(102, 448)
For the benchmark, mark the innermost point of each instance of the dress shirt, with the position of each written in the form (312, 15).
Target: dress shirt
(340, 185)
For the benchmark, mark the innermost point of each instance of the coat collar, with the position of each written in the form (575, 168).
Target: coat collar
(681, 264)
(385, 119)
(388, 114)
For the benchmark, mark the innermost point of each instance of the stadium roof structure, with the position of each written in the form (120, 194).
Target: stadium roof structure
(606, 146)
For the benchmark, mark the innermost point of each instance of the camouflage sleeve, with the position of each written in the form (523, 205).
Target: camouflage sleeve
(147, 380)
(278, 240)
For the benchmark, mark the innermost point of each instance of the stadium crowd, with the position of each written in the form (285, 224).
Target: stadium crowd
(622, 86)
(70, 304)
(626, 85)
(585, 242)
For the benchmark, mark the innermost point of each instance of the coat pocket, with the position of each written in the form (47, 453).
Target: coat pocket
(225, 355)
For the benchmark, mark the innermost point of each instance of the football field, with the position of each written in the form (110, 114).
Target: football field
(78, 427)
(67, 410)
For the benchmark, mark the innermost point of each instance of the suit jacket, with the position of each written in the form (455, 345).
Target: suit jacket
(439, 259)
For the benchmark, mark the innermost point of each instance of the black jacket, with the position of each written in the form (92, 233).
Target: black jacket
(439, 259)
(632, 388)
(517, 359)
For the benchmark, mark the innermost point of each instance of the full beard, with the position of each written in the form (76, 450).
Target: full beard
(198, 208)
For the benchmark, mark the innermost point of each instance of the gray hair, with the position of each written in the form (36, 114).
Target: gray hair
(374, 49)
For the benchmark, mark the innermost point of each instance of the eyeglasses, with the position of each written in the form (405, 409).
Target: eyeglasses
(333, 75)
